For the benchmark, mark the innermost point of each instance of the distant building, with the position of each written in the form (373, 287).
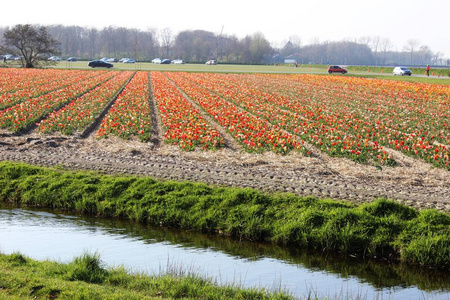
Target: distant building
(272, 59)
(293, 58)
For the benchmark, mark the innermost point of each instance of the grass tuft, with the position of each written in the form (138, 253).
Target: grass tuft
(88, 268)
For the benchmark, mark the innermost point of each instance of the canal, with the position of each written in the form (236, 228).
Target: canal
(154, 250)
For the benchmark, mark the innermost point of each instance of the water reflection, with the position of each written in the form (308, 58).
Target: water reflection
(45, 235)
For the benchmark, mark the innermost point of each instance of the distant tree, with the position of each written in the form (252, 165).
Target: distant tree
(288, 49)
(410, 46)
(92, 37)
(437, 58)
(376, 40)
(365, 40)
(195, 45)
(386, 45)
(33, 44)
(258, 47)
(424, 55)
(167, 40)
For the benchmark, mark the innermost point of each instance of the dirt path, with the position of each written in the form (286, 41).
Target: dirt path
(413, 182)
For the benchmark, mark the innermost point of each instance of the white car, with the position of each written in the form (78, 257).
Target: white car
(211, 62)
(178, 62)
(54, 58)
(129, 61)
(401, 71)
(156, 60)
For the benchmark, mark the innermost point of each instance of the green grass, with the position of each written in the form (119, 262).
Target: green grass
(283, 69)
(145, 66)
(379, 229)
(86, 278)
(375, 72)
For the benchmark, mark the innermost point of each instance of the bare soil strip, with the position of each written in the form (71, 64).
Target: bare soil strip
(156, 131)
(413, 183)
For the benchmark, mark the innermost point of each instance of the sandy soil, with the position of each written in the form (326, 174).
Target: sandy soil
(413, 182)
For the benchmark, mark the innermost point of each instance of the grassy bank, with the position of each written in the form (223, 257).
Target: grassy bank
(379, 229)
(86, 278)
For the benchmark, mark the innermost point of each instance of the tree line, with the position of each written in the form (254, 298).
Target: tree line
(198, 46)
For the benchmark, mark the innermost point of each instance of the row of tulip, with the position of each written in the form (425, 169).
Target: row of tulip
(26, 113)
(416, 124)
(357, 118)
(36, 84)
(405, 117)
(79, 113)
(337, 117)
(182, 122)
(12, 79)
(130, 115)
(307, 123)
(253, 132)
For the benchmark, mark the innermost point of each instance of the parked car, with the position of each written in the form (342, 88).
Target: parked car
(178, 62)
(166, 61)
(123, 59)
(112, 59)
(100, 63)
(156, 60)
(72, 59)
(54, 58)
(104, 59)
(10, 57)
(129, 61)
(336, 69)
(401, 71)
(211, 62)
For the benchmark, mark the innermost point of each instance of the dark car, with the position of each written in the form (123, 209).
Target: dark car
(336, 69)
(100, 63)
(72, 59)
(166, 61)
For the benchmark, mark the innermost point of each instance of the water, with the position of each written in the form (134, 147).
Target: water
(44, 235)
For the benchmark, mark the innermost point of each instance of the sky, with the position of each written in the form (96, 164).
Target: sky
(426, 21)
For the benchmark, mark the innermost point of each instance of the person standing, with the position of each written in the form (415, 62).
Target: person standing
(428, 70)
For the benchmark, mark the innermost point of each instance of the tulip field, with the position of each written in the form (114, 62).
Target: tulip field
(342, 116)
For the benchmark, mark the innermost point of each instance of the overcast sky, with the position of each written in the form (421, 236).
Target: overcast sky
(399, 20)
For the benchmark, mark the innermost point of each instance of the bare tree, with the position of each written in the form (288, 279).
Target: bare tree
(167, 40)
(376, 40)
(33, 44)
(365, 40)
(386, 45)
(410, 46)
(296, 41)
(92, 36)
(424, 55)
(437, 57)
